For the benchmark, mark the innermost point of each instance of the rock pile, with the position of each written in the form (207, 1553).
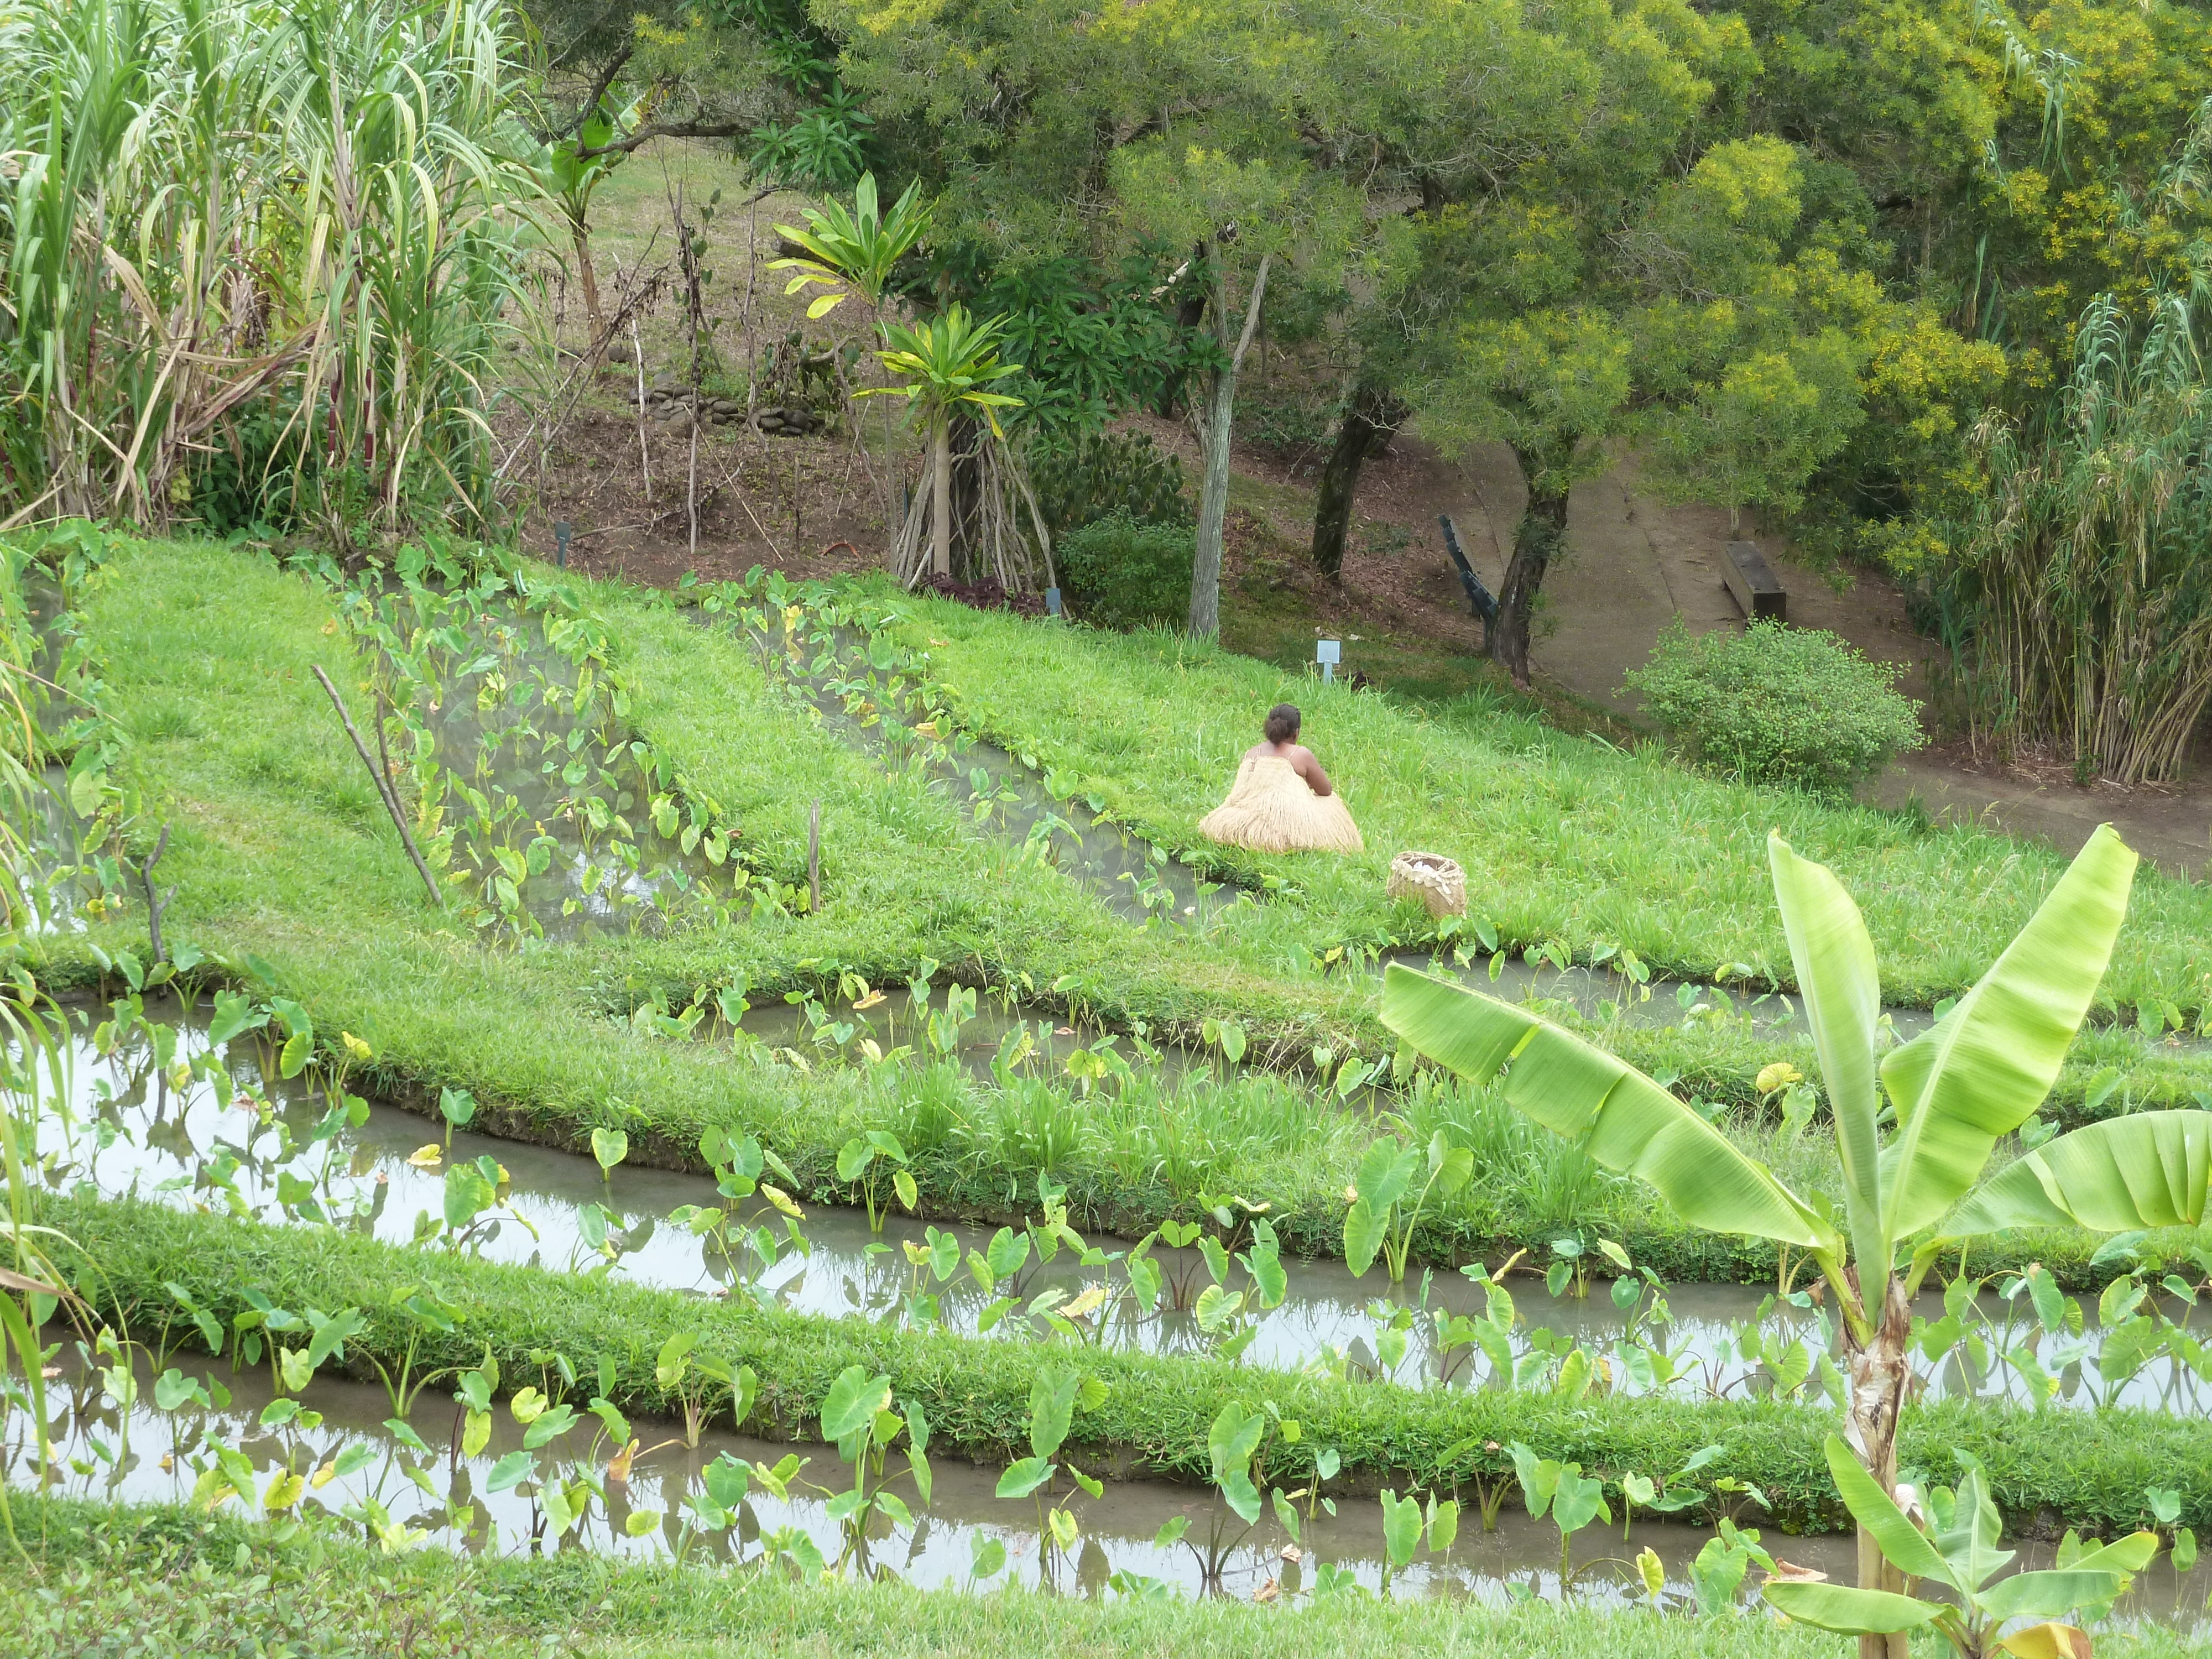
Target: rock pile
(679, 405)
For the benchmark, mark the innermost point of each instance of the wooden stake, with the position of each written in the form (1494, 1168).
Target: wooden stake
(383, 789)
(814, 859)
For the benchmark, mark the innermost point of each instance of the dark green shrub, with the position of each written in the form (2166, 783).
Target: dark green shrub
(1125, 573)
(1777, 705)
(1110, 472)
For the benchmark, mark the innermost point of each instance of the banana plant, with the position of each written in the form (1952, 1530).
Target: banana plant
(1958, 1551)
(1975, 1076)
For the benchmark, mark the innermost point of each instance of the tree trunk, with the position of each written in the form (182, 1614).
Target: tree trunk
(1371, 420)
(940, 516)
(1190, 312)
(1213, 493)
(1536, 542)
(1878, 1374)
(586, 279)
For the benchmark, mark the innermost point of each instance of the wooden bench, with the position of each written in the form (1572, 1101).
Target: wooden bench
(1752, 584)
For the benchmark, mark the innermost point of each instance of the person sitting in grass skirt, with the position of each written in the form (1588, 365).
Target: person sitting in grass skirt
(1282, 801)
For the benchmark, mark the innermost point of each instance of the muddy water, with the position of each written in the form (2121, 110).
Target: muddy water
(142, 1453)
(132, 1132)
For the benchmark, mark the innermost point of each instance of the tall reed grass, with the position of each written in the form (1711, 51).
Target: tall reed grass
(256, 258)
(2085, 572)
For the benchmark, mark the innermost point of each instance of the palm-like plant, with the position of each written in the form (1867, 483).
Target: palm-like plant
(848, 254)
(1910, 1184)
(947, 365)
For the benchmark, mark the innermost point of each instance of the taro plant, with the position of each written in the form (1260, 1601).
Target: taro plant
(1384, 1206)
(1911, 1172)
(1234, 1443)
(858, 1419)
(1563, 1491)
(425, 1313)
(865, 1160)
(1718, 1572)
(1405, 1523)
(1056, 1394)
(1953, 1547)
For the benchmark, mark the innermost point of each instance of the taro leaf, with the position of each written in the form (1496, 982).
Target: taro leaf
(852, 1401)
(1022, 1478)
(1365, 1228)
(728, 1478)
(1386, 1170)
(1241, 1495)
(1579, 1501)
(1052, 1409)
(609, 1147)
(1444, 1523)
(985, 1556)
(1231, 1440)
(1401, 1527)
(172, 1388)
(511, 1470)
(330, 1334)
(467, 1192)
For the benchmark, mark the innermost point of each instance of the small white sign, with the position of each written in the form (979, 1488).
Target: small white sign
(1329, 651)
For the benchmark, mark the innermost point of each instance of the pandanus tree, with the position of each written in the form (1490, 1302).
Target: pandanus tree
(947, 366)
(1913, 1182)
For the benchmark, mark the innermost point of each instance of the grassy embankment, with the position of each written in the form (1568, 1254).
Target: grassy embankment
(106, 1581)
(279, 851)
(2046, 1469)
(1562, 837)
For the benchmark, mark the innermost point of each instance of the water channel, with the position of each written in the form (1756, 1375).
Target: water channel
(132, 1129)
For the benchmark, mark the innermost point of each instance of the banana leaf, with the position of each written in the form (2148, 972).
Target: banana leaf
(1619, 1116)
(1983, 1068)
(2149, 1170)
(1842, 994)
(1849, 1611)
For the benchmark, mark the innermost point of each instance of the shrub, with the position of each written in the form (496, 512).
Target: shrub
(1126, 573)
(1777, 705)
(1081, 482)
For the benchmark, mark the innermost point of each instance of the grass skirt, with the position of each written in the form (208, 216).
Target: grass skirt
(1271, 810)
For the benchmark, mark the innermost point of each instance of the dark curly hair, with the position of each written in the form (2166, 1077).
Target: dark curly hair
(1283, 722)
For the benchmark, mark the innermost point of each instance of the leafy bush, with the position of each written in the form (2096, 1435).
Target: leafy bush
(1126, 573)
(1777, 705)
(1115, 473)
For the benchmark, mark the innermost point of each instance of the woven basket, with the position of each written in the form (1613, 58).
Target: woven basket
(1435, 880)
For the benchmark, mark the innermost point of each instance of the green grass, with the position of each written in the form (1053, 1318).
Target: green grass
(130, 1580)
(2088, 1469)
(1561, 837)
(281, 854)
